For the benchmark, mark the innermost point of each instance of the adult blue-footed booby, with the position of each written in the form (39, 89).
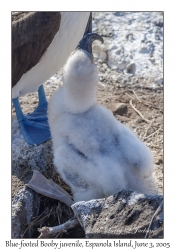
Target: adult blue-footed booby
(41, 44)
(94, 153)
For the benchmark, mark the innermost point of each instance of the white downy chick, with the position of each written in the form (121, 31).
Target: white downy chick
(93, 152)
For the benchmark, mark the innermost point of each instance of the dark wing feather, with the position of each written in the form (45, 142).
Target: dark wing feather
(31, 36)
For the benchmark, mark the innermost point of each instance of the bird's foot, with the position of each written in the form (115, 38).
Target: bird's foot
(49, 188)
(35, 133)
(40, 113)
(34, 126)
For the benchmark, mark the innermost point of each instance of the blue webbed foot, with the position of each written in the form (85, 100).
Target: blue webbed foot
(40, 113)
(34, 126)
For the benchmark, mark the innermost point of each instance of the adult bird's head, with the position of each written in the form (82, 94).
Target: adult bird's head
(80, 75)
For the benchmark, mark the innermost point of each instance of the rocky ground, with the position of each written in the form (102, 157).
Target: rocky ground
(130, 84)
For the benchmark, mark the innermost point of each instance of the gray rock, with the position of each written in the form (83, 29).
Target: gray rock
(121, 65)
(26, 158)
(152, 60)
(124, 81)
(159, 23)
(159, 80)
(126, 214)
(119, 108)
(99, 51)
(119, 77)
(114, 78)
(131, 68)
(144, 49)
(25, 205)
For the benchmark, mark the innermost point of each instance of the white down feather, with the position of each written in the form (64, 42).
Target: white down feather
(93, 152)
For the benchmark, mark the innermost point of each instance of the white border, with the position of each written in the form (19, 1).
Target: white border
(5, 100)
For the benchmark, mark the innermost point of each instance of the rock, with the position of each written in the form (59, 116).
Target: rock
(121, 65)
(152, 60)
(25, 205)
(108, 70)
(126, 214)
(99, 51)
(158, 23)
(26, 158)
(131, 68)
(116, 57)
(119, 77)
(114, 78)
(159, 80)
(119, 108)
(144, 49)
(105, 67)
